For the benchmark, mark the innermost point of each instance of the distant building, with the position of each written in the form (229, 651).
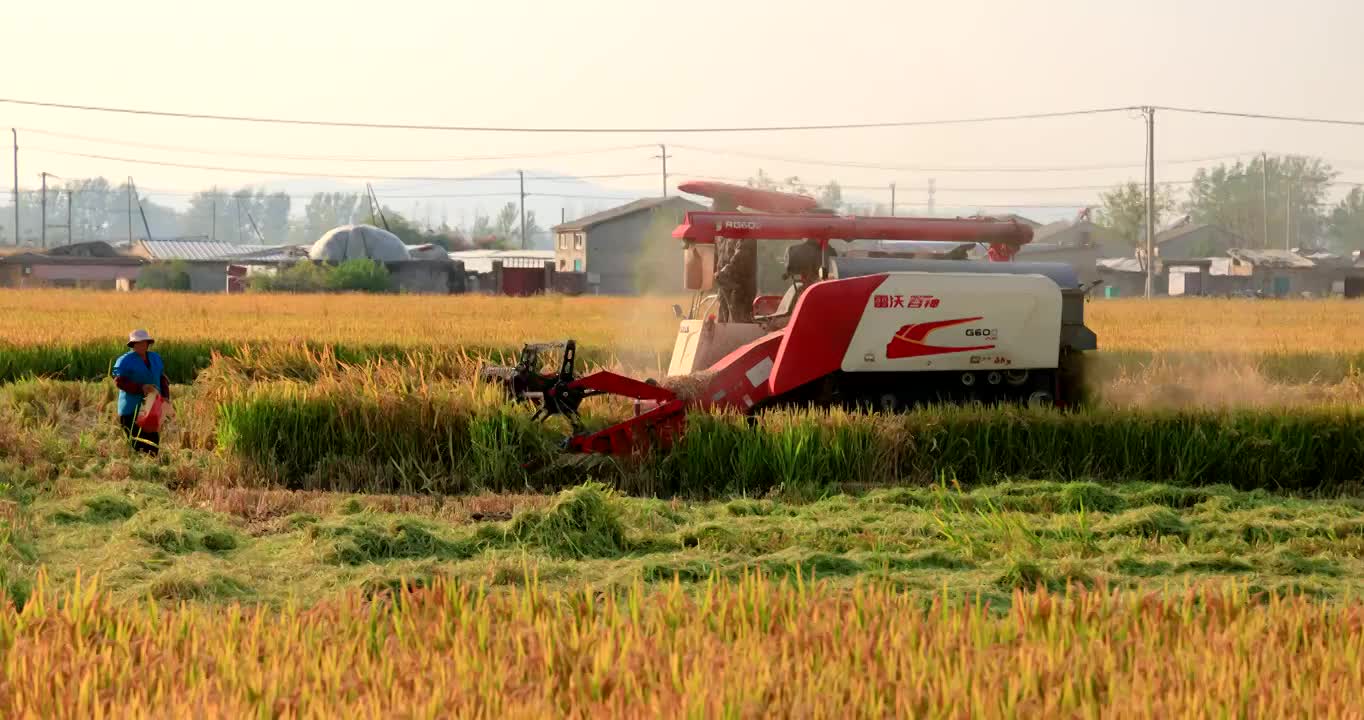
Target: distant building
(1126, 277)
(1196, 240)
(1079, 244)
(609, 246)
(512, 272)
(1267, 273)
(94, 265)
(207, 261)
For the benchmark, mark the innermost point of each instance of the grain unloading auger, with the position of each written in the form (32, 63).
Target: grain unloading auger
(877, 329)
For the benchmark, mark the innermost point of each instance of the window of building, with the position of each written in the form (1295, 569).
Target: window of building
(563, 241)
(563, 264)
(577, 266)
(578, 241)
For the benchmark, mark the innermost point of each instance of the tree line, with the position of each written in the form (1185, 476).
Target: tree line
(1287, 196)
(100, 210)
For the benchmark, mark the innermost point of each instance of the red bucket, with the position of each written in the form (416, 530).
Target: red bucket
(151, 419)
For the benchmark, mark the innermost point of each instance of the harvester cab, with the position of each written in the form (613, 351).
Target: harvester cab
(883, 328)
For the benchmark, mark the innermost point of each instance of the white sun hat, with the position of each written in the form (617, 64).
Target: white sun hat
(137, 336)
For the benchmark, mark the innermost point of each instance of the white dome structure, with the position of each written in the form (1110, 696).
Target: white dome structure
(358, 242)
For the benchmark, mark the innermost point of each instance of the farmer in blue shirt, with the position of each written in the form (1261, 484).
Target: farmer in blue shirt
(139, 373)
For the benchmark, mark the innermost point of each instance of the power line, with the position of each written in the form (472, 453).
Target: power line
(981, 168)
(937, 188)
(472, 128)
(295, 173)
(276, 156)
(1262, 116)
(149, 193)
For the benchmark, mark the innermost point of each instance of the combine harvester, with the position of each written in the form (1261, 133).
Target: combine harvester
(860, 329)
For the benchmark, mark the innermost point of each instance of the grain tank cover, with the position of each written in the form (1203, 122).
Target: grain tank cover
(1062, 274)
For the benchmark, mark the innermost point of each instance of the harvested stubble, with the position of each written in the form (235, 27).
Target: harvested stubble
(745, 648)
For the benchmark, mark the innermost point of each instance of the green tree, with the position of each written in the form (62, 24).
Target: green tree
(326, 211)
(829, 195)
(1346, 222)
(360, 275)
(399, 225)
(165, 276)
(1233, 196)
(532, 229)
(1123, 210)
(504, 228)
(300, 277)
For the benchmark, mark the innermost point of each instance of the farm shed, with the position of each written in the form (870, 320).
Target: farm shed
(510, 272)
(1126, 277)
(35, 270)
(206, 261)
(1276, 273)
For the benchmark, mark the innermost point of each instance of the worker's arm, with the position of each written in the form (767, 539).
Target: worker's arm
(165, 386)
(127, 385)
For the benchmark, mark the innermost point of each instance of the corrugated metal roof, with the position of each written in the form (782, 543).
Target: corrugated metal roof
(481, 261)
(1122, 264)
(201, 250)
(1271, 258)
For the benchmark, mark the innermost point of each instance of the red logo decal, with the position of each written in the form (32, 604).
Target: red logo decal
(914, 302)
(909, 341)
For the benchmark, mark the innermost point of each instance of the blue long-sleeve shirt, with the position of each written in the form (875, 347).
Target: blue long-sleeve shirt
(131, 372)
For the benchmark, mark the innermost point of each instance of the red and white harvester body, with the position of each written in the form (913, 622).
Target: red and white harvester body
(877, 330)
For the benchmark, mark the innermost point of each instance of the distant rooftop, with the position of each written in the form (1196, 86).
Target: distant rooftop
(583, 223)
(481, 261)
(202, 250)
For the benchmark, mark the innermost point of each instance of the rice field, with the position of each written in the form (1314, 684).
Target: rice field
(1191, 544)
(75, 334)
(745, 648)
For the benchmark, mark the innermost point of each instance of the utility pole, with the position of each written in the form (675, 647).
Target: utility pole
(932, 189)
(214, 227)
(1150, 113)
(70, 201)
(1288, 224)
(522, 175)
(1264, 195)
(892, 199)
(42, 203)
(130, 212)
(16, 185)
(663, 155)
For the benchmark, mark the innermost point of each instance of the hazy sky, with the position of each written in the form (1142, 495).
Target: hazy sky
(614, 63)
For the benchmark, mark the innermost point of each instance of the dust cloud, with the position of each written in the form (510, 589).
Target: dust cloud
(1227, 382)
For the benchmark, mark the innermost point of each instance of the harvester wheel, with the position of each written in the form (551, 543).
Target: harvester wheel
(994, 378)
(968, 379)
(1016, 377)
(1040, 399)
